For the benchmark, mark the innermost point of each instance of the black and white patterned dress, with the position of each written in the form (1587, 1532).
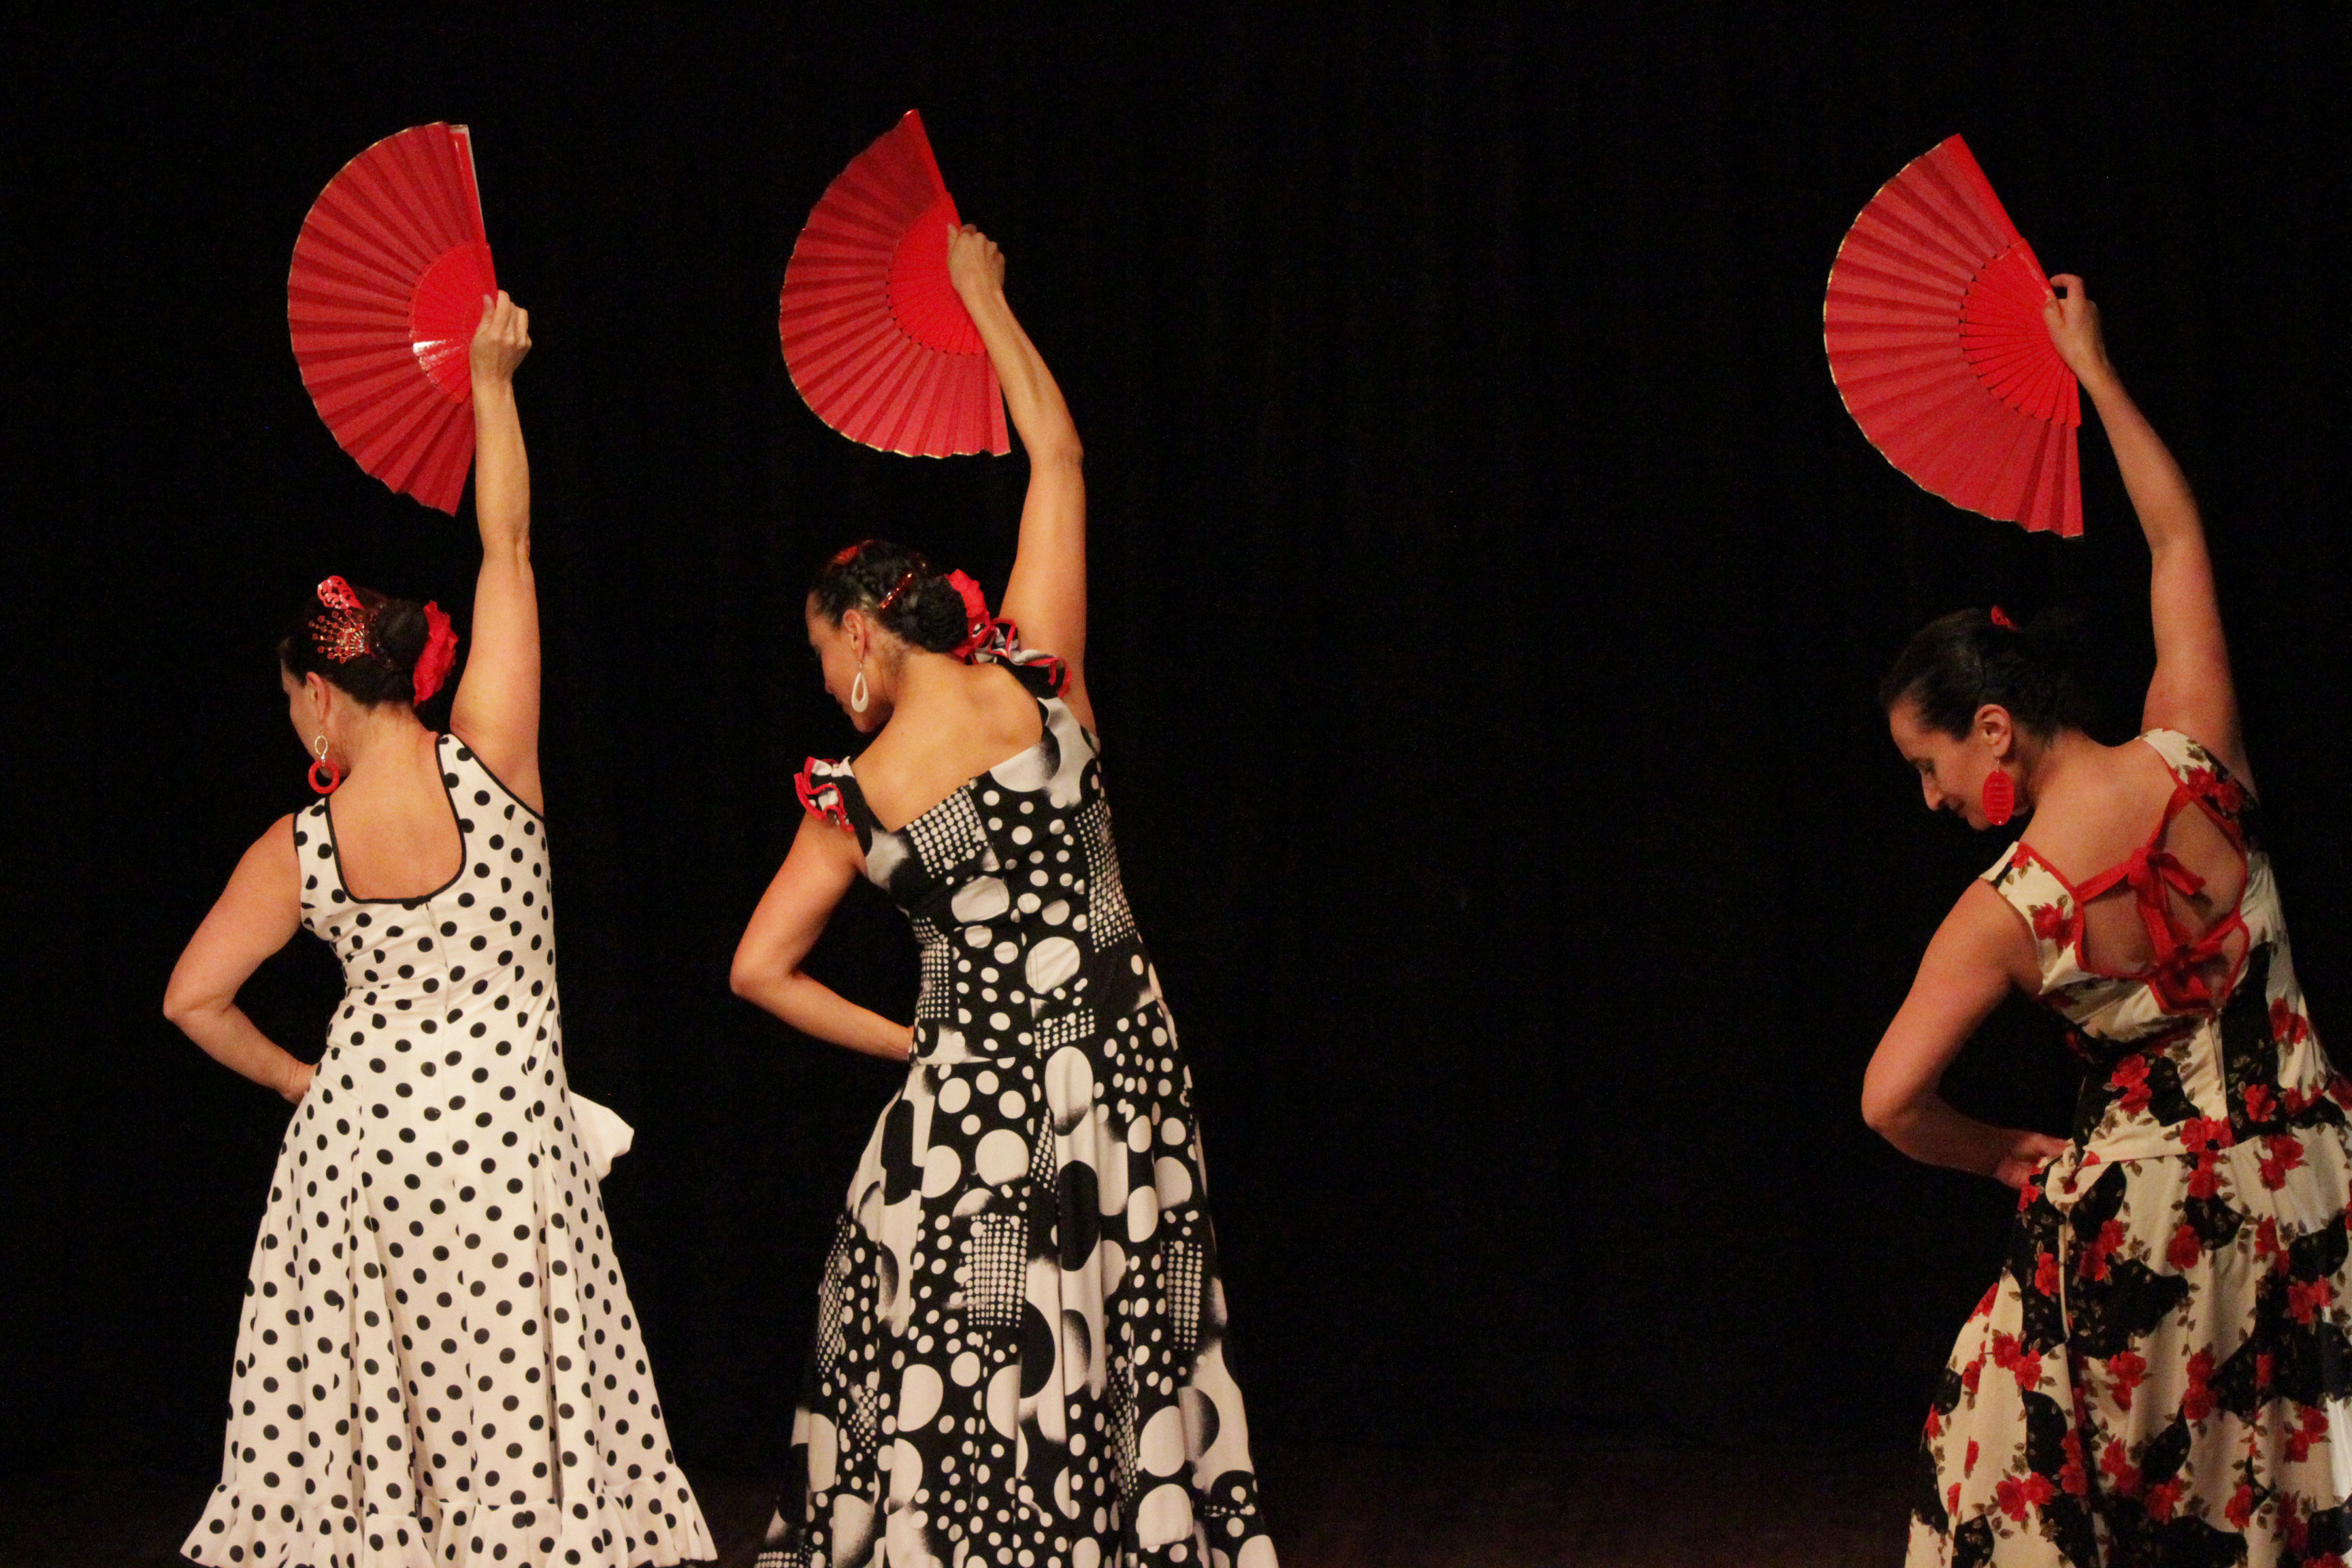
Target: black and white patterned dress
(1020, 1347)
(438, 1362)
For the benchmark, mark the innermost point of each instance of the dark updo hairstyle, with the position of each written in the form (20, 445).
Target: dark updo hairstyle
(385, 672)
(929, 612)
(1959, 662)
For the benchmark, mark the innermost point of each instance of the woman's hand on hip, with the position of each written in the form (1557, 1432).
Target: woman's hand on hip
(2027, 1152)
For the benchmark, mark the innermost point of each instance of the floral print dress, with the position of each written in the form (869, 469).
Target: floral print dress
(2159, 1376)
(1020, 1340)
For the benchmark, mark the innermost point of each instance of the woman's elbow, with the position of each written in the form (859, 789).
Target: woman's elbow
(1882, 1110)
(181, 1007)
(747, 977)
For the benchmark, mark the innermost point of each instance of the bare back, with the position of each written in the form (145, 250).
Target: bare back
(967, 719)
(2124, 825)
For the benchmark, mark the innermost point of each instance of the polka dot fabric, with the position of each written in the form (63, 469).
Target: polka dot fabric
(438, 1362)
(1020, 1340)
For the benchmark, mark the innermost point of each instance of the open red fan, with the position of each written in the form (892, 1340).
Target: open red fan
(874, 335)
(385, 291)
(1936, 342)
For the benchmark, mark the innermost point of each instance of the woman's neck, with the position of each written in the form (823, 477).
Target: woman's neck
(2052, 764)
(374, 737)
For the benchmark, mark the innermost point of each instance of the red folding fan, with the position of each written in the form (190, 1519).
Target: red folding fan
(1936, 342)
(385, 291)
(874, 335)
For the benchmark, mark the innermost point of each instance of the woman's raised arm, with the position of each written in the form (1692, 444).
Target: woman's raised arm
(2192, 691)
(495, 710)
(1047, 594)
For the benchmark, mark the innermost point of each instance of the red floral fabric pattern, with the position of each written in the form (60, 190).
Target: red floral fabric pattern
(2160, 1373)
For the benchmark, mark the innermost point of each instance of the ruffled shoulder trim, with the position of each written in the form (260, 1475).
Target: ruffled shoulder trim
(825, 786)
(1040, 671)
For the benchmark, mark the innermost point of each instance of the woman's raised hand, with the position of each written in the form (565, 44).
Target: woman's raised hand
(2073, 323)
(974, 264)
(501, 338)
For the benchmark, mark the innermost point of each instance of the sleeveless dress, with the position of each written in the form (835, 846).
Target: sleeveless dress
(2159, 1373)
(1020, 1347)
(438, 1362)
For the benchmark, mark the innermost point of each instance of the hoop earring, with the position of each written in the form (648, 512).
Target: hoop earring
(334, 773)
(859, 697)
(1999, 796)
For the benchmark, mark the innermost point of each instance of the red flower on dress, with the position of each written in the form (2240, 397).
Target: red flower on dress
(2012, 1357)
(2242, 1505)
(2093, 1262)
(2264, 1366)
(2117, 1461)
(1969, 1466)
(2053, 922)
(433, 666)
(2206, 1135)
(2306, 1298)
(2282, 1153)
(2198, 1402)
(2162, 1498)
(2205, 1177)
(2310, 1430)
(2015, 1495)
(1935, 1428)
(2128, 1369)
(2071, 1475)
(1984, 1307)
(2288, 1027)
(2045, 1274)
(2259, 1104)
(1952, 1497)
(2185, 1246)
(2130, 1081)
(1972, 1373)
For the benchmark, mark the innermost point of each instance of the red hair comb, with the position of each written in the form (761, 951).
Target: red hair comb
(340, 634)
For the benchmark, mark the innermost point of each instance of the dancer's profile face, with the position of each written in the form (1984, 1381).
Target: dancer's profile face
(1952, 768)
(836, 655)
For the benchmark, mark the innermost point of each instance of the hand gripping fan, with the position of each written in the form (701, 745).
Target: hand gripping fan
(874, 335)
(1935, 340)
(385, 291)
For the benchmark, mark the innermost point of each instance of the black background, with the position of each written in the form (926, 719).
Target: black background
(1489, 590)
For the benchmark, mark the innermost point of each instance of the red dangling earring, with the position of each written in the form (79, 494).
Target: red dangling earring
(334, 775)
(2000, 797)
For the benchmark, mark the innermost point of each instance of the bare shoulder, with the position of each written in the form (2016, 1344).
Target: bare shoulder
(1985, 932)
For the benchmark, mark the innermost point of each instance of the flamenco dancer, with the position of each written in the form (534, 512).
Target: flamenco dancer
(1020, 1345)
(438, 1361)
(2159, 1373)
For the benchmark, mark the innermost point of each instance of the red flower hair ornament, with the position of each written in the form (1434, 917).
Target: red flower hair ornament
(346, 631)
(433, 666)
(978, 624)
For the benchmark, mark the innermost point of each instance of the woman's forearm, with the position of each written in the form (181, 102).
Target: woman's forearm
(1930, 1131)
(820, 1011)
(1032, 396)
(2159, 491)
(230, 1039)
(501, 467)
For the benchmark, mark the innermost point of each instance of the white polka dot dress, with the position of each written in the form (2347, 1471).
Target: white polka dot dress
(1020, 1350)
(438, 1362)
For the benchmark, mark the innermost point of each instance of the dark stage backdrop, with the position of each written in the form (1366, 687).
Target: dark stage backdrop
(1490, 587)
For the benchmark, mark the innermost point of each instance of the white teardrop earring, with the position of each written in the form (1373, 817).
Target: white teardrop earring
(857, 694)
